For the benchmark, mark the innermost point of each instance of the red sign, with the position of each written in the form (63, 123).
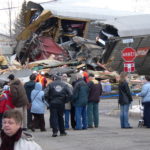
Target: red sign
(129, 67)
(141, 52)
(128, 54)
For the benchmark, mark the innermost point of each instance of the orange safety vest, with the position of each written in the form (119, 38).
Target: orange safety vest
(86, 76)
(41, 79)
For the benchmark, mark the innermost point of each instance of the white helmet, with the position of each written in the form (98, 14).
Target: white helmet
(42, 73)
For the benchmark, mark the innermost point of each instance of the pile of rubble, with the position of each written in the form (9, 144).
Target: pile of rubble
(52, 44)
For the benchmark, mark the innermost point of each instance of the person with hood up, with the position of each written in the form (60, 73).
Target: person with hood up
(38, 107)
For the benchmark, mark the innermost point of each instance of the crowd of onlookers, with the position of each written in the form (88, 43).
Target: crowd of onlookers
(76, 97)
(73, 103)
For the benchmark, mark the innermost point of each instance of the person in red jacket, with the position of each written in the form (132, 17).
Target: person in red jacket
(5, 102)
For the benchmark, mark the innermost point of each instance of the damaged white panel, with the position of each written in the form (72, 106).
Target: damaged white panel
(130, 26)
(69, 8)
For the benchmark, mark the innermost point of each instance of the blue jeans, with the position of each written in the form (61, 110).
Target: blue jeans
(81, 117)
(124, 113)
(146, 116)
(93, 114)
(67, 112)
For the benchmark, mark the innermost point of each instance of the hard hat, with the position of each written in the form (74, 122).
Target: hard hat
(42, 73)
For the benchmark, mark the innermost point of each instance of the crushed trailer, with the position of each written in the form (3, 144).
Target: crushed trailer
(122, 32)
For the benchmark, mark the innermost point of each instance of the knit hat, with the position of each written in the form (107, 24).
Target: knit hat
(11, 77)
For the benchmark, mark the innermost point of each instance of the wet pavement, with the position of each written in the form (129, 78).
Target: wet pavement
(109, 135)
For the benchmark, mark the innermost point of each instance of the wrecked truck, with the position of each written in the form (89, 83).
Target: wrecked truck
(48, 35)
(60, 21)
(43, 32)
(115, 34)
(121, 32)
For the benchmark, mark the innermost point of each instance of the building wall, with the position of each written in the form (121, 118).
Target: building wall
(6, 45)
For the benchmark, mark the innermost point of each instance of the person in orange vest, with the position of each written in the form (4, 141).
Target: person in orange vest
(41, 78)
(85, 75)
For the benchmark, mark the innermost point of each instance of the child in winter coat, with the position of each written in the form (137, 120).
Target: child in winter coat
(38, 106)
(5, 102)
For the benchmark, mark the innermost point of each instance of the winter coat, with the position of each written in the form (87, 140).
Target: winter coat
(29, 86)
(80, 93)
(68, 105)
(37, 98)
(124, 94)
(145, 92)
(95, 91)
(26, 142)
(6, 101)
(19, 97)
(57, 92)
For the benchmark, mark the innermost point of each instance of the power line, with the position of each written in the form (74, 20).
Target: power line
(18, 6)
(48, 1)
(8, 8)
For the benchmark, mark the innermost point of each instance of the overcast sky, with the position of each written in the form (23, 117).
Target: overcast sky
(140, 6)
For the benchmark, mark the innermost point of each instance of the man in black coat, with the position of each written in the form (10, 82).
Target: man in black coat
(29, 86)
(57, 94)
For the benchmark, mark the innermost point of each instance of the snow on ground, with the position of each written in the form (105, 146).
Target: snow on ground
(136, 109)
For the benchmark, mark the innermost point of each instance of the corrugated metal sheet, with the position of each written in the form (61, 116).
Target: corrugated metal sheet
(142, 63)
(93, 31)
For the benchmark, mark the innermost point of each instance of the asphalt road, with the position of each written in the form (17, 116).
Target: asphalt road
(109, 136)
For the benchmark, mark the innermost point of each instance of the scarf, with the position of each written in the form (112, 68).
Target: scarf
(8, 142)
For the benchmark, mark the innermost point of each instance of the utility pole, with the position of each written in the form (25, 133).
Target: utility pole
(10, 17)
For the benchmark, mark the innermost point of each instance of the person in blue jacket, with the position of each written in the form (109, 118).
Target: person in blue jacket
(38, 106)
(145, 94)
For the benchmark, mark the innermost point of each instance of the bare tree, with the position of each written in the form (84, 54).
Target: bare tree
(19, 24)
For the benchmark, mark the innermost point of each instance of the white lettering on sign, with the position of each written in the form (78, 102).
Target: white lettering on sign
(125, 41)
(129, 65)
(129, 54)
(142, 51)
